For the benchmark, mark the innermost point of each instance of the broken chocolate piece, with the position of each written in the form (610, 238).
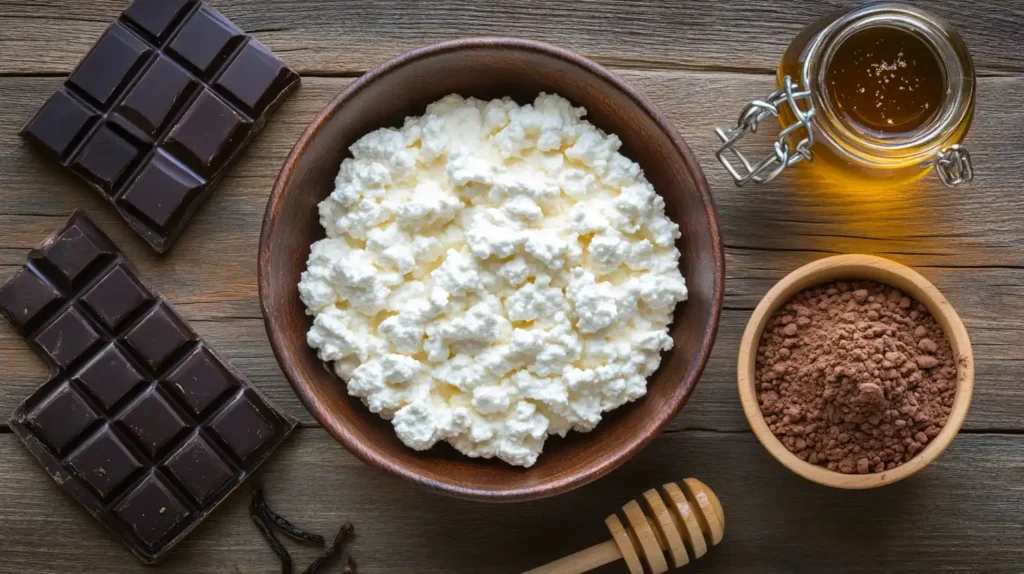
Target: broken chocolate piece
(156, 112)
(141, 421)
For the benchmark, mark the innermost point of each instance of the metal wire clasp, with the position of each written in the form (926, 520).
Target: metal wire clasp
(785, 154)
(954, 166)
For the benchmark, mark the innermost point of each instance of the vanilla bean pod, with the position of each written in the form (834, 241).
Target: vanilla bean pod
(272, 541)
(344, 533)
(259, 505)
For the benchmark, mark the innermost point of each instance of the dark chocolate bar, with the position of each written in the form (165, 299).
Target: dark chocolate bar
(143, 423)
(156, 112)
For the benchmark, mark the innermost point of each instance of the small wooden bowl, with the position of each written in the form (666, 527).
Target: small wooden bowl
(489, 68)
(854, 267)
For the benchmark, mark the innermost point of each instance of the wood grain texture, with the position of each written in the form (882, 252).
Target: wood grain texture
(970, 242)
(776, 521)
(962, 514)
(926, 225)
(330, 37)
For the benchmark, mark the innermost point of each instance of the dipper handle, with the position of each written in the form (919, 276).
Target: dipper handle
(659, 528)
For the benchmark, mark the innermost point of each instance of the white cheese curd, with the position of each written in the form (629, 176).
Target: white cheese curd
(493, 274)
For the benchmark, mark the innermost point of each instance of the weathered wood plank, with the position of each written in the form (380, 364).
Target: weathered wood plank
(929, 224)
(770, 231)
(996, 403)
(785, 524)
(328, 37)
(241, 341)
(714, 405)
(989, 301)
(970, 243)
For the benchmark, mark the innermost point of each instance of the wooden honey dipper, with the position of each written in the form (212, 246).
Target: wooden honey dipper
(664, 521)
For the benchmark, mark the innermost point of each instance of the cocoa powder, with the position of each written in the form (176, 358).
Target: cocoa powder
(855, 376)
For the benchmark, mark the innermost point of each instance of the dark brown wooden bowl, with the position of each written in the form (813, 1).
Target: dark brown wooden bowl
(489, 68)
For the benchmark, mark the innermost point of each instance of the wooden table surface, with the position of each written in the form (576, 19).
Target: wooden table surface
(699, 62)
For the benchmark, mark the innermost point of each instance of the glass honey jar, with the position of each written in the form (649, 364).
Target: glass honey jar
(883, 94)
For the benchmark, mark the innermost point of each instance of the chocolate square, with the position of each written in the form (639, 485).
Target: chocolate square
(125, 420)
(200, 380)
(152, 512)
(104, 462)
(164, 87)
(156, 17)
(110, 64)
(109, 377)
(163, 192)
(158, 337)
(115, 297)
(67, 338)
(208, 134)
(161, 92)
(254, 78)
(105, 158)
(70, 258)
(245, 425)
(198, 468)
(206, 40)
(152, 422)
(24, 297)
(61, 418)
(60, 124)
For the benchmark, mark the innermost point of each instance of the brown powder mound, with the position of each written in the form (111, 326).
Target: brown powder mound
(855, 376)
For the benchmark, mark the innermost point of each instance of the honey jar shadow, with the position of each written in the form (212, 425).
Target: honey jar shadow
(850, 217)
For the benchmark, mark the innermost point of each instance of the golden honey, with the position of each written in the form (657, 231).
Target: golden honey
(878, 96)
(885, 82)
(869, 131)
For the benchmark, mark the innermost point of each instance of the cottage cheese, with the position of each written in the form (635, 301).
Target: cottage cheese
(493, 274)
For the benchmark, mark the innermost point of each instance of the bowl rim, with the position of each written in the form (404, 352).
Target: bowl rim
(369, 456)
(852, 267)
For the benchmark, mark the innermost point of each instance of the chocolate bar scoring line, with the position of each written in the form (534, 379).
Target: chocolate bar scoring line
(130, 123)
(114, 338)
(176, 27)
(158, 50)
(197, 426)
(212, 84)
(145, 425)
(153, 385)
(174, 119)
(69, 376)
(161, 137)
(132, 397)
(122, 94)
(69, 297)
(197, 91)
(157, 464)
(89, 102)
